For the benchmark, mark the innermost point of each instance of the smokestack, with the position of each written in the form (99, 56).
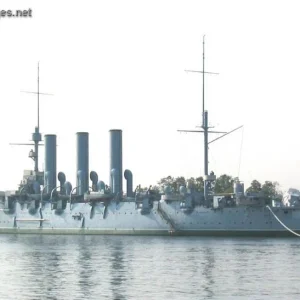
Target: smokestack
(82, 168)
(116, 160)
(115, 181)
(50, 162)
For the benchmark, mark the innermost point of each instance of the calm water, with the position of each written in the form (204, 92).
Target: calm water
(124, 267)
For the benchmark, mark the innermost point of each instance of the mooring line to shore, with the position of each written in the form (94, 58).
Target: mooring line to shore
(290, 230)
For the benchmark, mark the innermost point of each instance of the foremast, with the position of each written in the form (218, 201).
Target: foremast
(36, 175)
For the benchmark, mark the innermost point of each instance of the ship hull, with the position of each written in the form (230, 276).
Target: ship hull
(163, 219)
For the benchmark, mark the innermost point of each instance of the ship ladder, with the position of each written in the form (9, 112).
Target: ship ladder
(290, 230)
(165, 216)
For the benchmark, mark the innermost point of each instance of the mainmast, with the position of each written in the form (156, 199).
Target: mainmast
(204, 117)
(207, 178)
(204, 126)
(38, 98)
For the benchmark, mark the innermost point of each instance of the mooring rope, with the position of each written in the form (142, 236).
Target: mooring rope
(290, 230)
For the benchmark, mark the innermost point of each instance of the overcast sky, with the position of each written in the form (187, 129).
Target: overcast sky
(120, 64)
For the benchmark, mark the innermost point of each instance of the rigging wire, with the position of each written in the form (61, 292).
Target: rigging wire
(240, 159)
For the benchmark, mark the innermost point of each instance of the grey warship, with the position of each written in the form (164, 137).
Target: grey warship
(46, 203)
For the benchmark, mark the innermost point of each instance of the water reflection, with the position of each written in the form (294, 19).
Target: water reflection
(117, 270)
(42, 267)
(207, 273)
(83, 268)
